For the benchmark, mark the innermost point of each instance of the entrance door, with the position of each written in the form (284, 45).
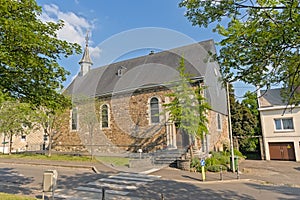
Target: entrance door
(282, 151)
(182, 139)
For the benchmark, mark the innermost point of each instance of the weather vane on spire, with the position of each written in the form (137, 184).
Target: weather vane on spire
(87, 38)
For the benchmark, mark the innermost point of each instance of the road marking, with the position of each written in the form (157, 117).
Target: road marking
(116, 187)
(132, 182)
(131, 178)
(89, 189)
(141, 175)
(113, 186)
(63, 196)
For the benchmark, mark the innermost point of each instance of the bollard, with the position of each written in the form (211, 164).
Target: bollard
(203, 173)
(221, 173)
(103, 193)
(140, 152)
(49, 182)
(202, 163)
(162, 196)
(237, 171)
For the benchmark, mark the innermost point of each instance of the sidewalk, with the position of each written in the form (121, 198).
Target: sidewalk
(266, 172)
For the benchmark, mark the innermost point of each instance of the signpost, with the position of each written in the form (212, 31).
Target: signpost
(202, 163)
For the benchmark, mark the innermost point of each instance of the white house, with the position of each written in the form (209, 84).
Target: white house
(280, 127)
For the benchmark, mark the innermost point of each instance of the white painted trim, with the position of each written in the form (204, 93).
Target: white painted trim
(77, 120)
(159, 110)
(276, 108)
(108, 116)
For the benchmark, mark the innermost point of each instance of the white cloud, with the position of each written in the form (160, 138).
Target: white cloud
(95, 52)
(75, 26)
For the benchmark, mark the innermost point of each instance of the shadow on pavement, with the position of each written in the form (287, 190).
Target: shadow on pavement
(178, 191)
(289, 192)
(297, 168)
(12, 182)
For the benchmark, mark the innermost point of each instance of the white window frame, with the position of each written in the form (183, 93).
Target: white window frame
(282, 128)
(23, 138)
(150, 110)
(77, 119)
(108, 116)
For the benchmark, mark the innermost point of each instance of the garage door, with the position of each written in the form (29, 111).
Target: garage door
(282, 151)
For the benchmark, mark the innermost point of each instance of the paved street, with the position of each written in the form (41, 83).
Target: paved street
(258, 180)
(118, 186)
(27, 179)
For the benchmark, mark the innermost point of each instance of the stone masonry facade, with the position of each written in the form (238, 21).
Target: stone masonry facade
(129, 125)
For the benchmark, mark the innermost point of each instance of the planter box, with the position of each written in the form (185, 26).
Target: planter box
(184, 164)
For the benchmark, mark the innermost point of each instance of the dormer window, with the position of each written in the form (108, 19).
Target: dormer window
(121, 71)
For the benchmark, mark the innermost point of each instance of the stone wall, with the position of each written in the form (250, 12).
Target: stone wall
(218, 138)
(129, 125)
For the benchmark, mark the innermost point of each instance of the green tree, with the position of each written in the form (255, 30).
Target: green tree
(29, 53)
(188, 108)
(87, 111)
(49, 117)
(260, 39)
(15, 119)
(250, 101)
(244, 121)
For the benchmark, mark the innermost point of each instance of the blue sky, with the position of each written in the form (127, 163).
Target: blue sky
(134, 25)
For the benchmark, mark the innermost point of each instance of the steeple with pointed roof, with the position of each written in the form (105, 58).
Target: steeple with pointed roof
(85, 62)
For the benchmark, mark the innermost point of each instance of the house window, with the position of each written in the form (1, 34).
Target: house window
(104, 116)
(74, 123)
(23, 138)
(45, 138)
(219, 122)
(121, 71)
(154, 110)
(284, 124)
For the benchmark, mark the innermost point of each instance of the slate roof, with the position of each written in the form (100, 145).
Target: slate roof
(153, 70)
(271, 97)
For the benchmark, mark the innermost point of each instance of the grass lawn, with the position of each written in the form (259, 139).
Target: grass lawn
(116, 161)
(45, 157)
(5, 196)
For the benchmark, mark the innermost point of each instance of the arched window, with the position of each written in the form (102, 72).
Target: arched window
(154, 110)
(104, 116)
(74, 119)
(219, 122)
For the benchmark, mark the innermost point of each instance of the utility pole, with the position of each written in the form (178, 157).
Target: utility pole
(230, 129)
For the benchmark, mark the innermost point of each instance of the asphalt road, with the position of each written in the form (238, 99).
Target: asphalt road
(27, 180)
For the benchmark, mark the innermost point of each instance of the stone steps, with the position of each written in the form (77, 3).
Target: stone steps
(167, 157)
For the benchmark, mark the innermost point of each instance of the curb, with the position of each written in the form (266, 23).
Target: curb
(213, 182)
(52, 164)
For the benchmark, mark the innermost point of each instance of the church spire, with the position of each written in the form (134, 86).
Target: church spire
(85, 62)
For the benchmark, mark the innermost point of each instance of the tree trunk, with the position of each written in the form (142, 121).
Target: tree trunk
(92, 142)
(50, 145)
(10, 143)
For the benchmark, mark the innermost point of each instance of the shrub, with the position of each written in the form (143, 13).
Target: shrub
(195, 163)
(216, 168)
(216, 161)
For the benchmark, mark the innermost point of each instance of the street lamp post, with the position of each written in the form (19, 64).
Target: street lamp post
(230, 129)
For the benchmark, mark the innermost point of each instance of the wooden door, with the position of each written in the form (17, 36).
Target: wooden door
(282, 151)
(182, 139)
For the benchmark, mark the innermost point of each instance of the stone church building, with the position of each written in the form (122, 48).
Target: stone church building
(119, 107)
